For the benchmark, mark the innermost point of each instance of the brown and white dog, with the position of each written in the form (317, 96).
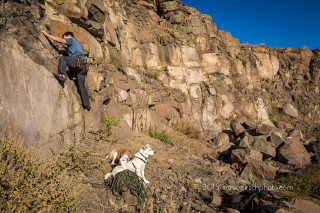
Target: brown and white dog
(120, 156)
(137, 164)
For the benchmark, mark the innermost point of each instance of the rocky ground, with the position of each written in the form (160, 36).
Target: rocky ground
(183, 179)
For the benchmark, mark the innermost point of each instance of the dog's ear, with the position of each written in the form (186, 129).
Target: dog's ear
(146, 146)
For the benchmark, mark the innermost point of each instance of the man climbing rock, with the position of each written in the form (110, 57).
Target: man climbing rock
(75, 61)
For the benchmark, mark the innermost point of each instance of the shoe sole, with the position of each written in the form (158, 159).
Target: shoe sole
(59, 77)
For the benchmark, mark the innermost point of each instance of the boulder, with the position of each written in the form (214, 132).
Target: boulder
(264, 129)
(314, 148)
(258, 172)
(285, 126)
(276, 140)
(241, 156)
(289, 109)
(123, 131)
(296, 134)
(246, 141)
(237, 128)
(216, 199)
(221, 140)
(266, 148)
(294, 153)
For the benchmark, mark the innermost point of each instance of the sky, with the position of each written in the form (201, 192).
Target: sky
(274, 23)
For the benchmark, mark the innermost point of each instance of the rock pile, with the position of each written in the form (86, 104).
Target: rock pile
(260, 152)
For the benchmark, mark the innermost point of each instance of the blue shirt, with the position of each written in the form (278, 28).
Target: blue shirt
(74, 47)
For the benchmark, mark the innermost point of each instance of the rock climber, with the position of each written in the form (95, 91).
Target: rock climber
(75, 61)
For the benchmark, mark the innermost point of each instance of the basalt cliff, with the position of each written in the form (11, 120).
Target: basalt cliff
(155, 61)
(161, 64)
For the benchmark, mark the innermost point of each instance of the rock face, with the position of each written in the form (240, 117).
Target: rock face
(32, 103)
(161, 61)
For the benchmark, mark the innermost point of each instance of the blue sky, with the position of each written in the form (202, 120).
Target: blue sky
(274, 23)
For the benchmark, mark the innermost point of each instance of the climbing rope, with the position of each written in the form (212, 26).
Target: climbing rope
(129, 180)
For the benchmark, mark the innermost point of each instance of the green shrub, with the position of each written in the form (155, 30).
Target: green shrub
(111, 121)
(161, 135)
(28, 184)
(305, 183)
(106, 130)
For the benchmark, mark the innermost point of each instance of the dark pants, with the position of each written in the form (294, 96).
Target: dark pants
(80, 71)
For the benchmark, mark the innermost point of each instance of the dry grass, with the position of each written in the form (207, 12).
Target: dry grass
(28, 184)
(162, 135)
(180, 135)
(306, 183)
(152, 73)
(188, 128)
(180, 139)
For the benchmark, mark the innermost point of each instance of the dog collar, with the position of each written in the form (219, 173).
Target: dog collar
(144, 160)
(143, 156)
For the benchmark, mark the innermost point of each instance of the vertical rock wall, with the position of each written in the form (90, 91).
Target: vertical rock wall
(155, 61)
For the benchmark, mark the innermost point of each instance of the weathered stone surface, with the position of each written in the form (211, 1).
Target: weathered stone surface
(296, 135)
(237, 128)
(93, 119)
(242, 156)
(215, 63)
(123, 131)
(267, 63)
(268, 149)
(70, 7)
(90, 44)
(221, 140)
(94, 81)
(32, 103)
(258, 172)
(165, 111)
(276, 140)
(294, 153)
(284, 125)
(246, 142)
(263, 129)
(289, 109)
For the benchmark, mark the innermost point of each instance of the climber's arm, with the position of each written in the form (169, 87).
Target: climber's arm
(55, 38)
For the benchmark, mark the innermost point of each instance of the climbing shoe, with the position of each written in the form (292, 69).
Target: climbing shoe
(87, 107)
(60, 77)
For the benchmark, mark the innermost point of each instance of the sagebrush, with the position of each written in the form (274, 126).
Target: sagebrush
(30, 184)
